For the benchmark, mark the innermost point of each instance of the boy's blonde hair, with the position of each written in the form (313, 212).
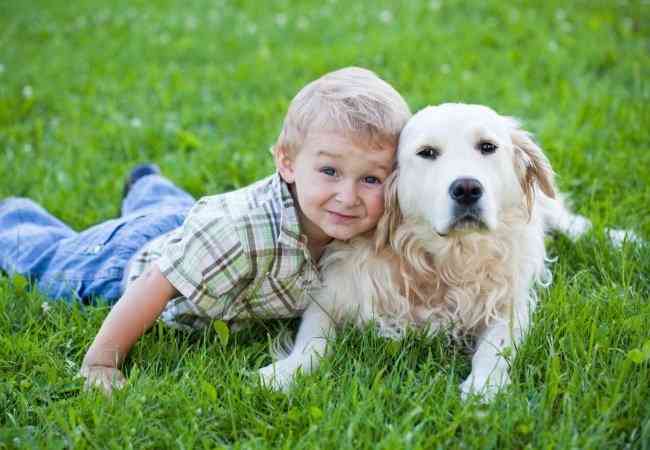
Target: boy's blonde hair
(352, 101)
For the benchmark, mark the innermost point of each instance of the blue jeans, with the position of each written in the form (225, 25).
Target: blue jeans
(82, 266)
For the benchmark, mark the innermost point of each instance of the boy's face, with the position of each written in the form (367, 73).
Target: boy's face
(338, 184)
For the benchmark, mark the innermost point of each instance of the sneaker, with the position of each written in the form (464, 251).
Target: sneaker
(139, 171)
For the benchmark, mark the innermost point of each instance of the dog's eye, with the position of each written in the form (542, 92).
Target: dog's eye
(428, 152)
(487, 147)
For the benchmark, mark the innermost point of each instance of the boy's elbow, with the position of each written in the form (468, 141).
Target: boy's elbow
(164, 284)
(154, 283)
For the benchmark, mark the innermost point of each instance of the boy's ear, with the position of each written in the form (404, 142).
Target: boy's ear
(284, 163)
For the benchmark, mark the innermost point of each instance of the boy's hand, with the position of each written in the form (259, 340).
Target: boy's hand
(133, 314)
(103, 377)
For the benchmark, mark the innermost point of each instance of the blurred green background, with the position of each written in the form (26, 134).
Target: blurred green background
(88, 88)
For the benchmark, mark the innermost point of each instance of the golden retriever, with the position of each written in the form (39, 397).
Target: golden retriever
(460, 246)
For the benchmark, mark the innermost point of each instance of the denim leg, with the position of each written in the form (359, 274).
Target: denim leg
(27, 232)
(80, 266)
(155, 191)
(92, 263)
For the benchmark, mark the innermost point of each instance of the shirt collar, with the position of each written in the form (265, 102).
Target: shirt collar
(290, 234)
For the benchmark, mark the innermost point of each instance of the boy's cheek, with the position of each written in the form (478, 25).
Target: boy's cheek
(376, 207)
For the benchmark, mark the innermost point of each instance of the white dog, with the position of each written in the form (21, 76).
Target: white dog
(460, 246)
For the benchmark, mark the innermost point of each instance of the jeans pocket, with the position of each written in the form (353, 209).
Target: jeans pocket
(96, 239)
(93, 240)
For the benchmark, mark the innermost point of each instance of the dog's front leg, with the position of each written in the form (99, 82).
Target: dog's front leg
(489, 365)
(315, 329)
(498, 341)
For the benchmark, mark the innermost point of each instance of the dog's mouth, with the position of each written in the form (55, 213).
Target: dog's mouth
(468, 220)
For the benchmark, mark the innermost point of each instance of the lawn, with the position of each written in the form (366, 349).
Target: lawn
(89, 88)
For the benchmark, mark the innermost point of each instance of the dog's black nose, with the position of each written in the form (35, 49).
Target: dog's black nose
(466, 191)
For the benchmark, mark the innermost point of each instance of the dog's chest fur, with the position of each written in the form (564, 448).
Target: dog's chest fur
(428, 280)
(462, 281)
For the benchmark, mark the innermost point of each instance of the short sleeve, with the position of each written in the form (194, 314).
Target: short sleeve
(205, 261)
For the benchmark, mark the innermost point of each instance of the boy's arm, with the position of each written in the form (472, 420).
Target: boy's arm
(132, 315)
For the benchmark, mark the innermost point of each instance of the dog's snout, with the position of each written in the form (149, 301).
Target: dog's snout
(466, 191)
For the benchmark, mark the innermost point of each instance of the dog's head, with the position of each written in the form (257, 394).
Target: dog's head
(459, 166)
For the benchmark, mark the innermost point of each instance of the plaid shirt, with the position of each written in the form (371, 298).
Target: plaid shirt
(238, 255)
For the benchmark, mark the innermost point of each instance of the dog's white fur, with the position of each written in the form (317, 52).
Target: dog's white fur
(425, 268)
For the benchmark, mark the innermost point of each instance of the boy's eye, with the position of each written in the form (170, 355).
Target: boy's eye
(371, 180)
(329, 171)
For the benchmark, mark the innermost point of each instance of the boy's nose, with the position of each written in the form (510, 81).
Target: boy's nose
(347, 195)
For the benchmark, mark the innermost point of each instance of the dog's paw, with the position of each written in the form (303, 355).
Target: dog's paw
(619, 237)
(578, 226)
(276, 376)
(485, 386)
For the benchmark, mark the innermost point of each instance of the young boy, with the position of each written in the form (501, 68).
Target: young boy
(244, 254)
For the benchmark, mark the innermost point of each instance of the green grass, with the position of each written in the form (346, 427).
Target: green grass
(89, 88)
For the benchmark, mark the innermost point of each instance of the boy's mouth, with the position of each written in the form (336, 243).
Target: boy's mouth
(338, 217)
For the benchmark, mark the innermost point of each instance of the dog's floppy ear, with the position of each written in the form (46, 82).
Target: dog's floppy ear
(392, 216)
(532, 165)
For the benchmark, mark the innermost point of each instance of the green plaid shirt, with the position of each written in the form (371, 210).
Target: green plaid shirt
(238, 255)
